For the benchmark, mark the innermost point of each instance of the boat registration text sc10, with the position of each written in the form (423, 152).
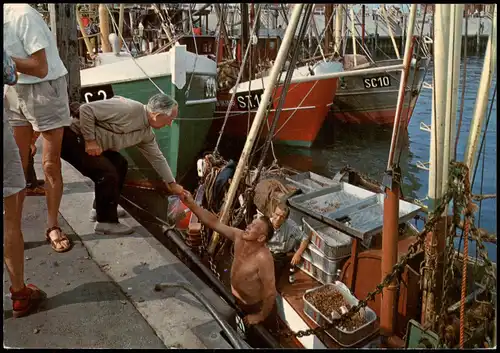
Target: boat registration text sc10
(377, 81)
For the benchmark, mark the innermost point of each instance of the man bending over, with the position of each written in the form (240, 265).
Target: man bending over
(99, 131)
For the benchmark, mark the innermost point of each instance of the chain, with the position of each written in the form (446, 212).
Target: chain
(456, 186)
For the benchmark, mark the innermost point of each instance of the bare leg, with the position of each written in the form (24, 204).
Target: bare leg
(23, 136)
(51, 160)
(13, 240)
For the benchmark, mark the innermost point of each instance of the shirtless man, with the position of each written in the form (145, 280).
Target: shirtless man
(252, 270)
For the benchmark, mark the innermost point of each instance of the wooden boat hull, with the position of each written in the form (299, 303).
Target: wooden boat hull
(372, 99)
(376, 108)
(304, 111)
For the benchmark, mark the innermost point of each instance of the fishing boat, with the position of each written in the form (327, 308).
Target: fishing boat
(370, 99)
(305, 108)
(188, 77)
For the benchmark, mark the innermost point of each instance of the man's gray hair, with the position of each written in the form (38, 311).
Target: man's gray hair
(161, 103)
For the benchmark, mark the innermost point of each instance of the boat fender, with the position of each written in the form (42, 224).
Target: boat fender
(115, 43)
(201, 166)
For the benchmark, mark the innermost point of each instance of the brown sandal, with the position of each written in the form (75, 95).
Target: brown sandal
(53, 242)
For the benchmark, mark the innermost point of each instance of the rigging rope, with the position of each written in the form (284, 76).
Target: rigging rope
(235, 89)
(196, 51)
(288, 79)
(464, 83)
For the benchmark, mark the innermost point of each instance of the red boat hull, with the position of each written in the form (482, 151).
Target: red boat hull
(304, 111)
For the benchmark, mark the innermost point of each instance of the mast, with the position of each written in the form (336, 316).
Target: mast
(259, 118)
(338, 28)
(392, 182)
(121, 19)
(431, 285)
(86, 39)
(454, 51)
(104, 28)
(483, 95)
(244, 39)
(67, 43)
(353, 36)
(329, 29)
(363, 25)
(52, 16)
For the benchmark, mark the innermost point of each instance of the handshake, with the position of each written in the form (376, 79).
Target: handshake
(184, 195)
(187, 198)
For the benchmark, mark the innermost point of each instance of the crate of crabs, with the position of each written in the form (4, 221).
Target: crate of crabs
(331, 300)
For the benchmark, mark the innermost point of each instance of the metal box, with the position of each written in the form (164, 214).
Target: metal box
(317, 273)
(343, 337)
(318, 260)
(350, 209)
(333, 244)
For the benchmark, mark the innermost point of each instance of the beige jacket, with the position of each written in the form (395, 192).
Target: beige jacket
(119, 123)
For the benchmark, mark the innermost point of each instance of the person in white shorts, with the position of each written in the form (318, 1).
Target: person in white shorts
(41, 103)
(25, 298)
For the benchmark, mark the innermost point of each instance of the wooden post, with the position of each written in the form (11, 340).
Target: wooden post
(121, 19)
(363, 14)
(84, 34)
(329, 29)
(52, 16)
(104, 26)
(67, 43)
(338, 29)
(244, 38)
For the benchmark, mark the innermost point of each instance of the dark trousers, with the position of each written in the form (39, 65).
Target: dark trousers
(281, 263)
(31, 180)
(107, 171)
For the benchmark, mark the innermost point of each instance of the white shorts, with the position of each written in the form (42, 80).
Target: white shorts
(42, 105)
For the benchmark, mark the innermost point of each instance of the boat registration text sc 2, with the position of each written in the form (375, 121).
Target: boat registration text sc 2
(96, 93)
(377, 81)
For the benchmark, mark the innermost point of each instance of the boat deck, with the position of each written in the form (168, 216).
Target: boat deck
(293, 293)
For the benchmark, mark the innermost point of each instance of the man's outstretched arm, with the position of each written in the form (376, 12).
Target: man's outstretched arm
(209, 219)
